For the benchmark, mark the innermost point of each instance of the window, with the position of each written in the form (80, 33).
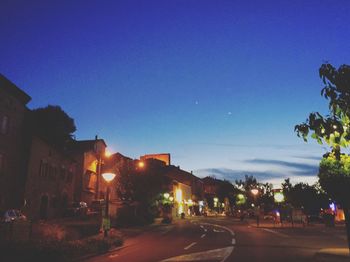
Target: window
(41, 168)
(4, 125)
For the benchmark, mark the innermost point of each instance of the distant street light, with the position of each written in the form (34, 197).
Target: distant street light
(108, 177)
(141, 164)
(279, 197)
(254, 191)
(166, 195)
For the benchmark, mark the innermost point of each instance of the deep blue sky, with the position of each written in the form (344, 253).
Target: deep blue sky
(218, 84)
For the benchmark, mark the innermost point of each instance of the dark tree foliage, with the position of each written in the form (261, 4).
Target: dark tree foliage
(333, 129)
(141, 189)
(304, 196)
(52, 124)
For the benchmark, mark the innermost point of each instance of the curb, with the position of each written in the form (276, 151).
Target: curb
(333, 254)
(98, 254)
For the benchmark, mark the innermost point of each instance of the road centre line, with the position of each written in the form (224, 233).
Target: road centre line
(202, 236)
(190, 245)
(233, 241)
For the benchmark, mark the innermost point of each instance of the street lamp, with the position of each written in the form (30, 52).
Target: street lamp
(279, 198)
(255, 193)
(108, 177)
(141, 164)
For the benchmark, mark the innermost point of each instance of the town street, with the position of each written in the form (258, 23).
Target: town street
(225, 239)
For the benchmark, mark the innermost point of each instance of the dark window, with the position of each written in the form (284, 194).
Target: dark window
(4, 125)
(63, 172)
(44, 168)
(2, 164)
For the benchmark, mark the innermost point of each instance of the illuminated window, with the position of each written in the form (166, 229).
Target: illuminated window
(4, 125)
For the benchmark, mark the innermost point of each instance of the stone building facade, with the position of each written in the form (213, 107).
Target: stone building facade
(50, 181)
(13, 110)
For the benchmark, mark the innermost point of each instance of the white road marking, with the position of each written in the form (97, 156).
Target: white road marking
(223, 227)
(233, 241)
(275, 232)
(218, 231)
(190, 245)
(205, 230)
(202, 235)
(112, 256)
(220, 254)
(227, 255)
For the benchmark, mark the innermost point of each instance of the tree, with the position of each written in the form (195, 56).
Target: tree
(141, 189)
(53, 124)
(302, 195)
(334, 130)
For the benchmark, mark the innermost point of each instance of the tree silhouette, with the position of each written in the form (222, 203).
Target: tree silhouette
(334, 130)
(52, 124)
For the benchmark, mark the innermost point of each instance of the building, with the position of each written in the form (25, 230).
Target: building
(165, 157)
(13, 159)
(187, 190)
(50, 181)
(89, 156)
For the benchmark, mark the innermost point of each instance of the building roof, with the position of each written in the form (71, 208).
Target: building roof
(12, 89)
(180, 175)
(85, 145)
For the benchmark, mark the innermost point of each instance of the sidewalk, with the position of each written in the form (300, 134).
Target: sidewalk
(285, 224)
(333, 254)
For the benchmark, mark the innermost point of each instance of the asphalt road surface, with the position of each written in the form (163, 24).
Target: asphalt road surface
(223, 239)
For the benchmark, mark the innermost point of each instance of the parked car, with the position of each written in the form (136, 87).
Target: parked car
(76, 209)
(12, 215)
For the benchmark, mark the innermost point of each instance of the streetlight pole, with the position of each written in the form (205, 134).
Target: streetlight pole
(107, 211)
(108, 177)
(255, 193)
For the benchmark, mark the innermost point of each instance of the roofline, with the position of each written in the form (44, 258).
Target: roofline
(14, 90)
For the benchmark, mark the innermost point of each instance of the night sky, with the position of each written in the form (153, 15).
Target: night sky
(218, 84)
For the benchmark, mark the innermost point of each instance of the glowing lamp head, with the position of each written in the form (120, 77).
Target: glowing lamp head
(166, 195)
(279, 197)
(108, 177)
(107, 153)
(216, 199)
(141, 164)
(254, 191)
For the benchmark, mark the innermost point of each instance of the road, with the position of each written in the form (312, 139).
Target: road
(223, 239)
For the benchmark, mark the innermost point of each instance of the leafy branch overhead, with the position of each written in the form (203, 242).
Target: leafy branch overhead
(333, 129)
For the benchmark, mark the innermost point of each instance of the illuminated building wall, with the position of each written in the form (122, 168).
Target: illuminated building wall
(182, 194)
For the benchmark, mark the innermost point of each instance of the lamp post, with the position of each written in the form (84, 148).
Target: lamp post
(255, 193)
(108, 177)
(279, 198)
